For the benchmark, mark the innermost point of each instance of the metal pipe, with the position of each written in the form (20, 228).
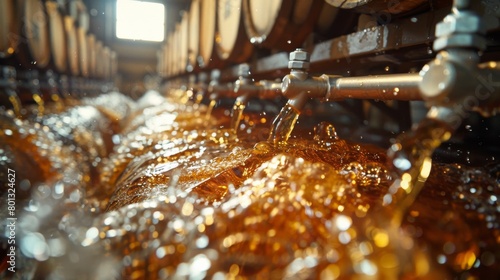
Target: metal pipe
(269, 89)
(334, 88)
(216, 90)
(246, 86)
(385, 87)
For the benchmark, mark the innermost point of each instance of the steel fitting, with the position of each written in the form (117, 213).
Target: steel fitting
(299, 60)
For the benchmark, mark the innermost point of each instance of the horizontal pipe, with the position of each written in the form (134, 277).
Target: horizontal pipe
(218, 90)
(334, 88)
(384, 87)
(269, 89)
(262, 89)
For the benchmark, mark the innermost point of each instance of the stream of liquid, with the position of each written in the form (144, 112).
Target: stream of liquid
(284, 124)
(40, 103)
(237, 114)
(411, 159)
(56, 99)
(211, 107)
(16, 104)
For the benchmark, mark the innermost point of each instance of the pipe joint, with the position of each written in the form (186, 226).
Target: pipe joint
(452, 83)
(312, 87)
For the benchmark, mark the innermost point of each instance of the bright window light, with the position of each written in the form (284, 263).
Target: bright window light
(139, 20)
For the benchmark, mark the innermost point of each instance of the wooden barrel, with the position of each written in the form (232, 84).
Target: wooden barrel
(194, 34)
(208, 55)
(78, 11)
(171, 56)
(57, 37)
(166, 57)
(83, 57)
(172, 49)
(8, 27)
(106, 58)
(91, 46)
(326, 18)
(378, 6)
(164, 62)
(72, 46)
(31, 39)
(231, 39)
(81, 19)
(113, 65)
(168, 51)
(160, 61)
(280, 24)
(178, 57)
(184, 40)
(333, 22)
(175, 50)
(99, 69)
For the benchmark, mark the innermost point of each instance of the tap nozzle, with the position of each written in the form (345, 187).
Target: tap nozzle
(299, 62)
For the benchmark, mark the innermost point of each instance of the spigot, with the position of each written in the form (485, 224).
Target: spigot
(245, 89)
(455, 79)
(299, 62)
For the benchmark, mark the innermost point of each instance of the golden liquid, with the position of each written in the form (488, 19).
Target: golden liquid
(43, 149)
(237, 114)
(284, 124)
(198, 98)
(193, 199)
(16, 104)
(411, 158)
(40, 103)
(211, 106)
(56, 99)
(22, 153)
(294, 216)
(150, 134)
(304, 207)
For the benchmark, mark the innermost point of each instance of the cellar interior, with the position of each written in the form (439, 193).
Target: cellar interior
(250, 139)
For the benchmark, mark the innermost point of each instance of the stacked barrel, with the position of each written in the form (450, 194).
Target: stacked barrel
(53, 36)
(218, 33)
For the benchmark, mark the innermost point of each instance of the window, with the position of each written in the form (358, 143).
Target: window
(140, 20)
